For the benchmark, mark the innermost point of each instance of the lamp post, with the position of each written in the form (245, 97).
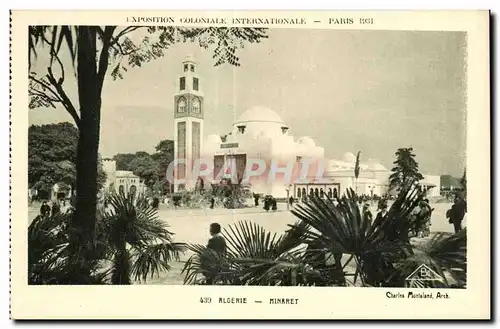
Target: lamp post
(288, 196)
(371, 187)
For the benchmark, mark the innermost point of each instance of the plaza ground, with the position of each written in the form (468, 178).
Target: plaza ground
(191, 226)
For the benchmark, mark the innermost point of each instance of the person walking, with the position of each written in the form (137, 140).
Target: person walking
(256, 199)
(382, 214)
(366, 213)
(56, 209)
(274, 204)
(426, 213)
(457, 213)
(155, 203)
(44, 209)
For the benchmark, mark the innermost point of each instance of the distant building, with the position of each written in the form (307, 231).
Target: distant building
(60, 191)
(121, 181)
(450, 184)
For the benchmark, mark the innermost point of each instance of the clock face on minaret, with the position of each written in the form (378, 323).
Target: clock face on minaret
(188, 100)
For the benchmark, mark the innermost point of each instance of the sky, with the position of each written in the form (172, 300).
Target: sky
(368, 91)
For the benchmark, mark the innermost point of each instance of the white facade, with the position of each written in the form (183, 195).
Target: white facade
(260, 133)
(60, 189)
(373, 177)
(121, 180)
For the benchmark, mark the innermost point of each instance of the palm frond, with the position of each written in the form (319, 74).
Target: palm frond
(152, 259)
(341, 229)
(444, 253)
(254, 257)
(206, 264)
(134, 219)
(131, 223)
(51, 257)
(337, 228)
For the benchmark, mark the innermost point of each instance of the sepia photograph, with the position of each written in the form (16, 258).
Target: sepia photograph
(339, 164)
(239, 155)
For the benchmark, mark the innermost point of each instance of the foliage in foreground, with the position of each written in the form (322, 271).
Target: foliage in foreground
(132, 243)
(331, 245)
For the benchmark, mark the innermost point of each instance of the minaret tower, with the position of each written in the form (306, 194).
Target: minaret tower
(188, 123)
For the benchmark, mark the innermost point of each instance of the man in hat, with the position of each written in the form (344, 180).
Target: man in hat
(216, 249)
(367, 214)
(382, 214)
(44, 209)
(457, 213)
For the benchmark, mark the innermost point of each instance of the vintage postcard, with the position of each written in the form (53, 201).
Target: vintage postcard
(250, 165)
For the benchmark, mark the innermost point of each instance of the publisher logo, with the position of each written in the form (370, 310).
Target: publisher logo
(424, 277)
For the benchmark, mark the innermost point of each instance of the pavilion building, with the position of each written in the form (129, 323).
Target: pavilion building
(260, 133)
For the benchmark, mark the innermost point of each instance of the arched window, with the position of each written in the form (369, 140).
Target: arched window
(316, 192)
(121, 189)
(335, 193)
(196, 106)
(299, 194)
(311, 191)
(181, 106)
(330, 194)
(304, 193)
(321, 193)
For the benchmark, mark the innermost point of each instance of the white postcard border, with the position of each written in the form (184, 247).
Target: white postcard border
(183, 302)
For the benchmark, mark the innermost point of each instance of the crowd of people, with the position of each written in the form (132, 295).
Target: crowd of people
(59, 206)
(420, 217)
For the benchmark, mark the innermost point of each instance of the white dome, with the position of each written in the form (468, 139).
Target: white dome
(259, 114)
(349, 157)
(375, 165)
(213, 138)
(307, 141)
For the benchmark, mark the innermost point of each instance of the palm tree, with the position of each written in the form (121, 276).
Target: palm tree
(138, 243)
(132, 243)
(382, 252)
(254, 257)
(50, 258)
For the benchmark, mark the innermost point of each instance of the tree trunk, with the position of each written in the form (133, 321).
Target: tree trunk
(121, 265)
(83, 223)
